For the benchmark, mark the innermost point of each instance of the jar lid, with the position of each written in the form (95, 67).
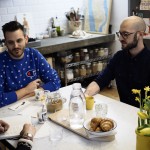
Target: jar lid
(69, 70)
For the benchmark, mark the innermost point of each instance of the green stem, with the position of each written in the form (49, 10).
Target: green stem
(148, 120)
(139, 122)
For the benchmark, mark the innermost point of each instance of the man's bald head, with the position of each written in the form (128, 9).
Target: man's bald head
(134, 22)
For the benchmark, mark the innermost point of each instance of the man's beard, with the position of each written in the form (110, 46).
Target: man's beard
(16, 53)
(131, 45)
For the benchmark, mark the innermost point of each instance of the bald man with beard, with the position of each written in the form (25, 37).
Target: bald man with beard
(130, 67)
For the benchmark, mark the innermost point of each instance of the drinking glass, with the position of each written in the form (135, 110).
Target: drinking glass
(101, 110)
(55, 135)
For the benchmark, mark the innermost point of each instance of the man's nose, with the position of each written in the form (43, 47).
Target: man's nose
(121, 38)
(15, 44)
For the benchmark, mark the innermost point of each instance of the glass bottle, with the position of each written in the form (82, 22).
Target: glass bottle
(57, 25)
(76, 110)
(77, 86)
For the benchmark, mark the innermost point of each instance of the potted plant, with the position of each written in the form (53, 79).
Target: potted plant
(143, 129)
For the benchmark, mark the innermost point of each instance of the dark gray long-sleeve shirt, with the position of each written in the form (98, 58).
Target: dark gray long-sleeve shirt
(129, 72)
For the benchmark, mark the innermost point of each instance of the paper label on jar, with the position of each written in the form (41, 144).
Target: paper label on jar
(75, 107)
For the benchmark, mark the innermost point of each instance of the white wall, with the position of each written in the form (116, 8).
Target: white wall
(43, 10)
(119, 12)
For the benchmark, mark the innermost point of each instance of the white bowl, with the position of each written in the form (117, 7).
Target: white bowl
(99, 133)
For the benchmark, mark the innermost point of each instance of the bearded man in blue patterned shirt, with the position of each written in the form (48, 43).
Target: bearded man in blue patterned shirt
(22, 69)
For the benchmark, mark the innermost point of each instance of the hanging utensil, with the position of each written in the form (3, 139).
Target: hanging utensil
(67, 16)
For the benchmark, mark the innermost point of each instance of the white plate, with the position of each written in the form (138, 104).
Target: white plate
(99, 133)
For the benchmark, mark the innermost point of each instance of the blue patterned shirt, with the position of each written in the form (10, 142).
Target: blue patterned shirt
(18, 73)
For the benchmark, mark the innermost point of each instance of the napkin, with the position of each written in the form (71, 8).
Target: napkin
(31, 111)
(104, 138)
(19, 105)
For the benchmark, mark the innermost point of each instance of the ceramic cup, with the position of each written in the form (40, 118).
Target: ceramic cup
(41, 95)
(89, 102)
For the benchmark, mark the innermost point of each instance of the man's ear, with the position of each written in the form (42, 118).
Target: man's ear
(26, 39)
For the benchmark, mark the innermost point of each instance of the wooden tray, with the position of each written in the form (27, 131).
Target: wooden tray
(56, 118)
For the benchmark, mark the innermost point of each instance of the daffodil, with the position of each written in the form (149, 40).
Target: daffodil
(144, 113)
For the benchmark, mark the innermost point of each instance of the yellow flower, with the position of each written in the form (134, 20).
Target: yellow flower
(147, 88)
(142, 115)
(135, 91)
(145, 131)
(137, 99)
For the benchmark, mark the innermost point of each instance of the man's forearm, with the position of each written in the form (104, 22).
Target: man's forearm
(92, 89)
(22, 93)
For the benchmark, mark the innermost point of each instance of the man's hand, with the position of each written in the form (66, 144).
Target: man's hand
(3, 126)
(92, 89)
(28, 129)
(32, 86)
(28, 90)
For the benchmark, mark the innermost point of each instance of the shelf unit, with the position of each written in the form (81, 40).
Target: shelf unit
(73, 64)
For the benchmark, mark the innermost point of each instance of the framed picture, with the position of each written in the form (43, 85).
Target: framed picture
(97, 16)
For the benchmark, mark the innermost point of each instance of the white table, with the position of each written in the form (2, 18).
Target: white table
(125, 116)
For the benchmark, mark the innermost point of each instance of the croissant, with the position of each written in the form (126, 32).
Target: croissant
(106, 125)
(95, 124)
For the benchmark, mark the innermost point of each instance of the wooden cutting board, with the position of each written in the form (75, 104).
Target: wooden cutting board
(59, 119)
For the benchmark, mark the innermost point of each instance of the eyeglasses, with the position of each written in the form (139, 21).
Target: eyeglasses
(124, 34)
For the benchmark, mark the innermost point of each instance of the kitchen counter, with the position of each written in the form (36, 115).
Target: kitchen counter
(57, 44)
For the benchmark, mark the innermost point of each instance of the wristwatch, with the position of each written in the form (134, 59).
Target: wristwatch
(28, 136)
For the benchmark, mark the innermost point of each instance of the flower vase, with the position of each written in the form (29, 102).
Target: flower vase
(75, 25)
(142, 142)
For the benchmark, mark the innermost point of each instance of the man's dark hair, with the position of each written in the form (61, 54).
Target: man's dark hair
(12, 26)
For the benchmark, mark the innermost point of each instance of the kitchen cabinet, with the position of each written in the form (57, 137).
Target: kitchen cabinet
(54, 46)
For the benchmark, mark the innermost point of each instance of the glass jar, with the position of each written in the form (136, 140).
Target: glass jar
(88, 69)
(82, 54)
(95, 52)
(104, 65)
(69, 74)
(76, 72)
(77, 57)
(54, 32)
(86, 56)
(82, 70)
(101, 52)
(94, 67)
(106, 52)
(99, 66)
(62, 75)
(91, 54)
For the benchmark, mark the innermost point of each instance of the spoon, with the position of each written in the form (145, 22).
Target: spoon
(20, 105)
